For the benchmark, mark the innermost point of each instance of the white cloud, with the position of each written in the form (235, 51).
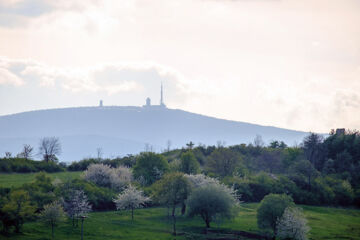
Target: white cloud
(8, 78)
(110, 78)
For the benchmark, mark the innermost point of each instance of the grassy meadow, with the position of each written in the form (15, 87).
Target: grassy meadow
(152, 223)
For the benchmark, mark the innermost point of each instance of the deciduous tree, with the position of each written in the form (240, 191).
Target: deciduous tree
(292, 225)
(172, 190)
(271, 208)
(52, 214)
(130, 199)
(211, 201)
(49, 148)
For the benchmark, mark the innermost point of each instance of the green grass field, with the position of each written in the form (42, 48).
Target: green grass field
(152, 223)
(18, 179)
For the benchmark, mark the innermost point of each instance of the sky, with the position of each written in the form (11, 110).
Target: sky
(286, 63)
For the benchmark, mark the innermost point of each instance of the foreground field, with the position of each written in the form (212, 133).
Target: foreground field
(18, 179)
(152, 223)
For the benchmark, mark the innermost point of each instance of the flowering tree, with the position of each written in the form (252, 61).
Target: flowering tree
(99, 174)
(77, 206)
(105, 176)
(199, 180)
(292, 225)
(130, 199)
(120, 177)
(52, 214)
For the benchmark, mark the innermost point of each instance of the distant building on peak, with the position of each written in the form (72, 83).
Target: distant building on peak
(162, 104)
(340, 131)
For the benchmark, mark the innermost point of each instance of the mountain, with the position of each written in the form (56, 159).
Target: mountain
(126, 130)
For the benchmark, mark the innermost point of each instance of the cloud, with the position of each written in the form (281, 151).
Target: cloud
(18, 13)
(108, 78)
(8, 78)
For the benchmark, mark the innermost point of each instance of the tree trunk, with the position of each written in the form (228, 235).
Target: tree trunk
(183, 209)
(207, 223)
(174, 220)
(82, 228)
(132, 214)
(52, 231)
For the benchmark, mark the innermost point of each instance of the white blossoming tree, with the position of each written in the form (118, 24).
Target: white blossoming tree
(77, 205)
(120, 177)
(292, 225)
(105, 176)
(130, 199)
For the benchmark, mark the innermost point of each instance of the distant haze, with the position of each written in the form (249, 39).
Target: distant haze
(127, 130)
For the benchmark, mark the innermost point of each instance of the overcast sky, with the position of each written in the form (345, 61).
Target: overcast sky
(287, 63)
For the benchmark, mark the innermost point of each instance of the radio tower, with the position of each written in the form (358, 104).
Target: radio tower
(161, 96)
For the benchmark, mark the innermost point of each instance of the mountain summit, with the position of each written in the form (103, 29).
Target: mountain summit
(124, 130)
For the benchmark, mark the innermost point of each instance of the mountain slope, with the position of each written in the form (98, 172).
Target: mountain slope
(123, 130)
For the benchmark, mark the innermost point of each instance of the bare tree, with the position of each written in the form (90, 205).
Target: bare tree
(8, 155)
(258, 141)
(100, 153)
(26, 152)
(49, 148)
(168, 145)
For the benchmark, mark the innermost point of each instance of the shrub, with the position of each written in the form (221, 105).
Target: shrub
(271, 208)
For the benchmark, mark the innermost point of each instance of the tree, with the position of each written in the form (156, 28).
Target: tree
(303, 171)
(52, 214)
(190, 145)
(8, 155)
(172, 190)
(17, 210)
(313, 149)
(99, 153)
(99, 174)
(168, 145)
(210, 201)
(49, 148)
(188, 163)
(26, 152)
(271, 208)
(120, 177)
(223, 161)
(77, 205)
(292, 225)
(270, 160)
(150, 167)
(200, 180)
(105, 176)
(130, 198)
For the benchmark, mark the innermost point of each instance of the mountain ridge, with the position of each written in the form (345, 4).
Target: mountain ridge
(129, 127)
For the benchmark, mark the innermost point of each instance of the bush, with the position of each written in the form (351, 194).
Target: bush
(22, 165)
(271, 208)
